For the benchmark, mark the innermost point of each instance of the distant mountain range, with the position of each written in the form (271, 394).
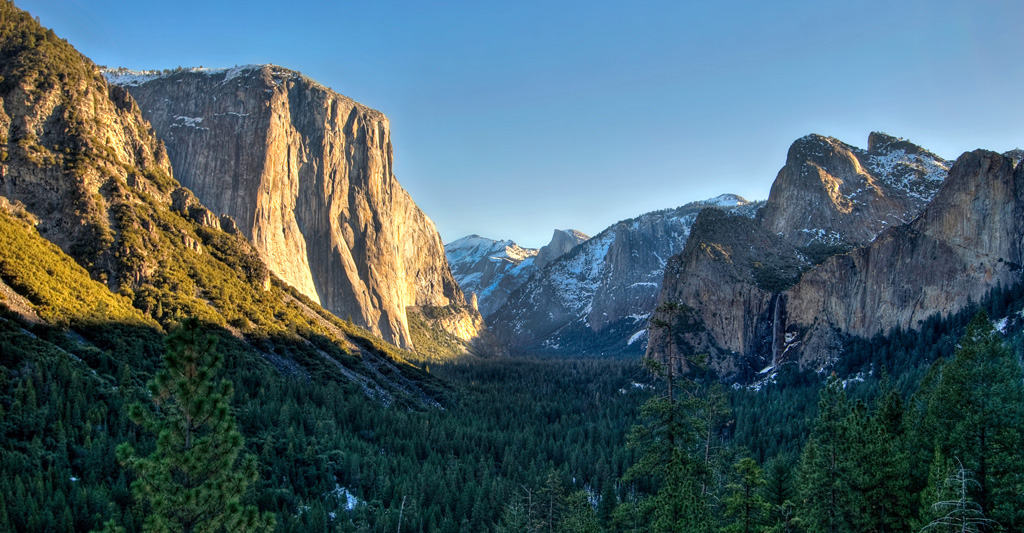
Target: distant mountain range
(847, 244)
(490, 270)
(593, 299)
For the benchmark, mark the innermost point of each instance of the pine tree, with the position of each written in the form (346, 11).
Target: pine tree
(780, 493)
(193, 481)
(745, 504)
(606, 507)
(878, 469)
(514, 519)
(679, 505)
(826, 495)
(578, 515)
(676, 424)
(976, 414)
(953, 510)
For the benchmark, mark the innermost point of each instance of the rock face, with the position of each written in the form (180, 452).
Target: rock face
(833, 194)
(561, 242)
(80, 166)
(597, 298)
(307, 175)
(70, 143)
(967, 241)
(750, 302)
(491, 270)
(726, 281)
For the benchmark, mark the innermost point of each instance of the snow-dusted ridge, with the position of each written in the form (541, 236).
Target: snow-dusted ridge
(597, 297)
(126, 77)
(132, 78)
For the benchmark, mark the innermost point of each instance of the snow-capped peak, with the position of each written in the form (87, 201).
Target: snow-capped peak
(132, 78)
(725, 200)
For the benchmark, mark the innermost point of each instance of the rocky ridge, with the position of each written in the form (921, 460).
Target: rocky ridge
(833, 194)
(490, 269)
(307, 175)
(751, 304)
(135, 253)
(597, 298)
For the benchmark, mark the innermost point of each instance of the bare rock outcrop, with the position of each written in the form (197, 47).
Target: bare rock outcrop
(562, 240)
(597, 298)
(750, 296)
(833, 194)
(307, 175)
(966, 242)
(491, 270)
(726, 284)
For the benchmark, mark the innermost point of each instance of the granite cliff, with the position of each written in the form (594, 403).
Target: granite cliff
(597, 298)
(833, 195)
(755, 294)
(104, 251)
(491, 270)
(307, 175)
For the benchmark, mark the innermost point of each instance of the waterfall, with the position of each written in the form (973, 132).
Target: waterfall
(775, 329)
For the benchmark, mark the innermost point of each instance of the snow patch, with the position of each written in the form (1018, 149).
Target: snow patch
(189, 122)
(636, 336)
(344, 496)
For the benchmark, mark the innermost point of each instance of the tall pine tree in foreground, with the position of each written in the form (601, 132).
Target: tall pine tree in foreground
(193, 481)
(975, 414)
(674, 427)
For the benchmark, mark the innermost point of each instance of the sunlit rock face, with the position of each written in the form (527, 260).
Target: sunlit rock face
(307, 174)
(754, 294)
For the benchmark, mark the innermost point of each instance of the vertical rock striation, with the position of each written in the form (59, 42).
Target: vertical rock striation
(832, 194)
(307, 175)
(918, 240)
(596, 299)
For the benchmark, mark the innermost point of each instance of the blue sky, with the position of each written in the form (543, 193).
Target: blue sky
(510, 119)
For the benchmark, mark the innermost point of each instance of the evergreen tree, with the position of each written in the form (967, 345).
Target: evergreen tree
(578, 516)
(514, 519)
(193, 480)
(827, 497)
(953, 510)
(976, 414)
(679, 506)
(606, 507)
(745, 504)
(878, 470)
(779, 493)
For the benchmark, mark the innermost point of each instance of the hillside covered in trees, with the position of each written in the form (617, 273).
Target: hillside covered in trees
(156, 376)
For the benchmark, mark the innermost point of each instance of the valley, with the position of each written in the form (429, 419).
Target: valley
(217, 270)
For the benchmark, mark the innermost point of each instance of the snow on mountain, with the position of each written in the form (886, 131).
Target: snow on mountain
(132, 78)
(597, 298)
(489, 268)
(836, 196)
(492, 269)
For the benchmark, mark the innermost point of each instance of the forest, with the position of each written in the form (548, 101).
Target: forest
(151, 387)
(915, 430)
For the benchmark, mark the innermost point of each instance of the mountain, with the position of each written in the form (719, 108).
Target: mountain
(751, 303)
(307, 175)
(724, 281)
(104, 250)
(831, 194)
(561, 242)
(490, 269)
(597, 298)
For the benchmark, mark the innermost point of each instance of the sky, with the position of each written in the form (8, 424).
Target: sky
(511, 119)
